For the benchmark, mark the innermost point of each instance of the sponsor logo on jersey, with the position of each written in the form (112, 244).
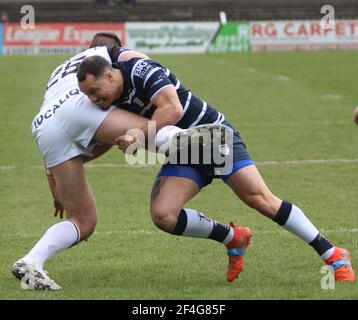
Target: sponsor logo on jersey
(142, 69)
(52, 110)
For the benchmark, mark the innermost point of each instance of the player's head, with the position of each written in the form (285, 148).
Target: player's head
(107, 39)
(99, 81)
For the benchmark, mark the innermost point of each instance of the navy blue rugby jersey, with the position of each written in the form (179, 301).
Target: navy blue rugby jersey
(144, 78)
(115, 51)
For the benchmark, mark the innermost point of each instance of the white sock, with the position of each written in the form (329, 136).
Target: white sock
(328, 253)
(294, 220)
(298, 224)
(192, 223)
(56, 239)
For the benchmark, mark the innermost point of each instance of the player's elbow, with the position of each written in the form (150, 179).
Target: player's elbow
(176, 113)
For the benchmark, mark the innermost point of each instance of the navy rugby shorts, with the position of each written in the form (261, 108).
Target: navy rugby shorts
(203, 175)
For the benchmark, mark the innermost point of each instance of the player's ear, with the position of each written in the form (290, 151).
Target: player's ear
(109, 75)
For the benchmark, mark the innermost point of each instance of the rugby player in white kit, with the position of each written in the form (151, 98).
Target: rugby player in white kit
(70, 130)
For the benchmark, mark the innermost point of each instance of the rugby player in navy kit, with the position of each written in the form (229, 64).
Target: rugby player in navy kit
(145, 87)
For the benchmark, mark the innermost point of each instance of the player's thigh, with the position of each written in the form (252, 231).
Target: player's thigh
(170, 193)
(117, 123)
(249, 186)
(75, 193)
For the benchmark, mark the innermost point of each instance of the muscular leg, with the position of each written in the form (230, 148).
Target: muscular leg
(249, 186)
(77, 199)
(116, 124)
(169, 194)
(76, 195)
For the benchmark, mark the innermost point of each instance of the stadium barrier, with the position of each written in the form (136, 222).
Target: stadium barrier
(149, 37)
(170, 37)
(303, 35)
(50, 38)
(183, 37)
(231, 37)
(188, 37)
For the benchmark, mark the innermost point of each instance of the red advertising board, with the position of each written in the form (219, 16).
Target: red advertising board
(55, 37)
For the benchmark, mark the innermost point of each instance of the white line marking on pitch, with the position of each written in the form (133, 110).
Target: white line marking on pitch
(264, 163)
(308, 161)
(8, 167)
(283, 78)
(332, 96)
(148, 232)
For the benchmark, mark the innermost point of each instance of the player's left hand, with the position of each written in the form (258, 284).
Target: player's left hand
(125, 141)
(59, 209)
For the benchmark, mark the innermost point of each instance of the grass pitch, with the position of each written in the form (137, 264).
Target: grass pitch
(294, 111)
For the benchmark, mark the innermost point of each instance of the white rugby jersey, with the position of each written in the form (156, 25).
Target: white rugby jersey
(63, 78)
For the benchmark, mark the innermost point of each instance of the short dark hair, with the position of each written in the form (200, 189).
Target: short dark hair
(107, 39)
(94, 65)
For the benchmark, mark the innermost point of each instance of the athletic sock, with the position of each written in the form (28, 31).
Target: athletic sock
(192, 223)
(56, 239)
(322, 246)
(294, 220)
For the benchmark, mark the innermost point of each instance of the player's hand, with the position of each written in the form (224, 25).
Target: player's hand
(125, 141)
(356, 115)
(59, 209)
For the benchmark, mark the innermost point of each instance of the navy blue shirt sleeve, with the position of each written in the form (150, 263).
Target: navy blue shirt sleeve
(150, 77)
(115, 51)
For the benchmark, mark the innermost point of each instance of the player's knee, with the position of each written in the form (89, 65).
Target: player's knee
(88, 230)
(86, 226)
(163, 217)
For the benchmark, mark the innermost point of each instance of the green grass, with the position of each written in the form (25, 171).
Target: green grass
(287, 106)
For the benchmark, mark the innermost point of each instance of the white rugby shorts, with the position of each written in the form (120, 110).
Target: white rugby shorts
(64, 128)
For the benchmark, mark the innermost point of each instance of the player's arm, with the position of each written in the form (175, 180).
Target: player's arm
(118, 53)
(162, 94)
(127, 55)
(168, 107)
(168, 111)
(151, 78)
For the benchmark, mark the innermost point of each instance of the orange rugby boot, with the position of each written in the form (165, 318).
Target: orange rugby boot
(236, 249)
(341, 263)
